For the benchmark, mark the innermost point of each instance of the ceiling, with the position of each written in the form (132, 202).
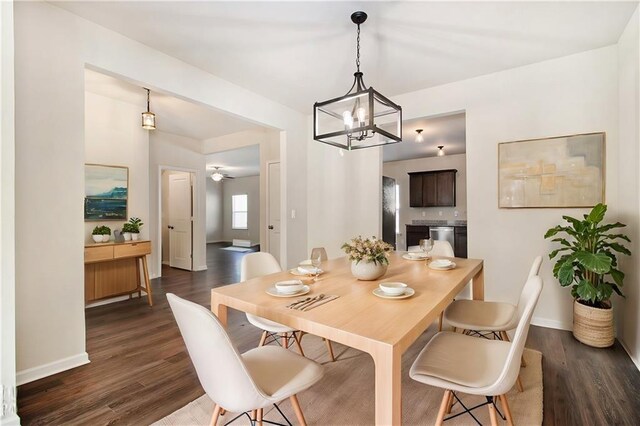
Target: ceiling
(297, 53)
(447, 130)
(239, 162)
(173, 115)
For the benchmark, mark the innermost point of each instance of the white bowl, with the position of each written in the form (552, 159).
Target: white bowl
(289, 286)
(306, 262)
(441, 263)
(417, 254)
(393, 288)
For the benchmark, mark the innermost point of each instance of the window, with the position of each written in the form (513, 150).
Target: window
(239, 211)
(397, 209)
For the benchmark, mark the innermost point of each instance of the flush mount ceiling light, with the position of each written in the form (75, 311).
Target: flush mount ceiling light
(148, 118)
(362, 118)
(419, 137)
(440, 150)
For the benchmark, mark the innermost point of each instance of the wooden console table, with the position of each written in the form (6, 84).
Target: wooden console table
(113, 269)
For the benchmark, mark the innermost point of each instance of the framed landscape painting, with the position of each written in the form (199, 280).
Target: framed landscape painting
(564, 171)
(106, 192)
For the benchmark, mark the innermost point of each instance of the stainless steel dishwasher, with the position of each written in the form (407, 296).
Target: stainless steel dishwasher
(445, 233)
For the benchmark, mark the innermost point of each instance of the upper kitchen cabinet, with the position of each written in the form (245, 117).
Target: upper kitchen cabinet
(432, 189)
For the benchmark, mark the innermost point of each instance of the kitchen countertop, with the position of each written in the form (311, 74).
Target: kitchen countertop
(438, 223)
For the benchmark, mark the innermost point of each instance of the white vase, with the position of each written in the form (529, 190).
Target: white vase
(97, 238)
(367, 271)
(134, 236)
(106, 238)
(127, 236)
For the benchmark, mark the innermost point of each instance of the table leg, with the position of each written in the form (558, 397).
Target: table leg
(477, 285)
(388, 370)
(145, 269)
(219, 310)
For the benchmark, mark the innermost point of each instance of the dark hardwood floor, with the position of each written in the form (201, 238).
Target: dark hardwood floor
(140, 371)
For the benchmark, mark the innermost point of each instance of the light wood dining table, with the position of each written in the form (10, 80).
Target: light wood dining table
(383, 328)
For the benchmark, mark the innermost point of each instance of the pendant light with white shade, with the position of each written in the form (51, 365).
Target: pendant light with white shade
(419, 137)
(440, 150)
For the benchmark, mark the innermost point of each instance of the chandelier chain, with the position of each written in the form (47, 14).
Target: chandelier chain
(358, 49)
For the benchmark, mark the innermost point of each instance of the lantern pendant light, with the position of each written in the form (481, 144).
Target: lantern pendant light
(148, 118)
(362, 118)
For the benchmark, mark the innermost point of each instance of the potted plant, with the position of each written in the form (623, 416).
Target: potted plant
(127, 229)
(368, 256)
(101, 234)
(136, 224)
(587, 261)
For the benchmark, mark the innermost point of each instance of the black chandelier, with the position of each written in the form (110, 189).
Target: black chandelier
(362, 118)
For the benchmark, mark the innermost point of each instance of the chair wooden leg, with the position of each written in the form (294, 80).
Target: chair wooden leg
(216, 414)
(330, 349)
(223, 411)
(254, 415)
(450, 403)
(285, 340)
(506, 409)
(259, 417)
(519, 384)
(297, 340)
(263, 338)
(492, 414)
(443, 407)
(298, 410)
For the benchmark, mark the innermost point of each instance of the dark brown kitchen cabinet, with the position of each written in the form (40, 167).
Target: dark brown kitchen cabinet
(432, 189)
(460, 238)
(415, 233)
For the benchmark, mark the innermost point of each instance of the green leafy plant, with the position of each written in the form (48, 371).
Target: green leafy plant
(101, 230)
(368, 249)
(587, 257)
(136, 224)
(129, 227)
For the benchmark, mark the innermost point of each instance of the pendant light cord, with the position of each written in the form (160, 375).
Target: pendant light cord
(148, 100)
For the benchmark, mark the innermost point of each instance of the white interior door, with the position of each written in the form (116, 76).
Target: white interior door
(180, 221)
(273, 212)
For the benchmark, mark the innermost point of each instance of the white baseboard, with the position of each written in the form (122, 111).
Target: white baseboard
(200, 268)
(558, 325)
(35, 373)
(10, 420)
(635, 361)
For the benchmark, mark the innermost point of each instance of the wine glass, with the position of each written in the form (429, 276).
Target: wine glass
(426, 246)
(316, 260)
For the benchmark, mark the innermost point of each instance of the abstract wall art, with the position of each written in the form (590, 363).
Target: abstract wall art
(106, 192)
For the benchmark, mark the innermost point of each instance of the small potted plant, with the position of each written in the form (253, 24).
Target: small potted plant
(127, 229)
(588, 263)
(368, 256)
(101, 234)
(136, 224)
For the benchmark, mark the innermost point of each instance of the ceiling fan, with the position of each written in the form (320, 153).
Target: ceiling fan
(217, 175)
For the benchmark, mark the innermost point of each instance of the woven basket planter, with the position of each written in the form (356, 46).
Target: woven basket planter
(593, 326)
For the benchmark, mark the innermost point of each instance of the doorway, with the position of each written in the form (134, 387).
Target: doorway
(273, 209)
(176, 218)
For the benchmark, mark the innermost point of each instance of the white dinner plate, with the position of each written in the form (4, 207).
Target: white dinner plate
(406, 256)
(439, 268)
(272, 291)
(296, 271)
(407, 293)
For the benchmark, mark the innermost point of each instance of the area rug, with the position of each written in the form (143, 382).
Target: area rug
(239, 249)
(345, 394)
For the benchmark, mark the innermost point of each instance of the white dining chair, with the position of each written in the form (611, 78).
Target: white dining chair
(245, 382)
(461, 363)
(440, 248)
(258, 264)
(493, 319)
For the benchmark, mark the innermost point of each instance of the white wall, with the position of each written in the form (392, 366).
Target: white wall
(269, 141)
(49, 129)
(214, 211)
(399, 171)
(114, 137)
(8, 409)
(629, 182)
(249, 185)
(344, 195)
(179, 153)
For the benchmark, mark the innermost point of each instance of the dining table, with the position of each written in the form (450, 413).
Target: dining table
(383, 328)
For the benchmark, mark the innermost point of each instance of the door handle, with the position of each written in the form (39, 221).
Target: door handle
(270, 226)
(169, 226)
